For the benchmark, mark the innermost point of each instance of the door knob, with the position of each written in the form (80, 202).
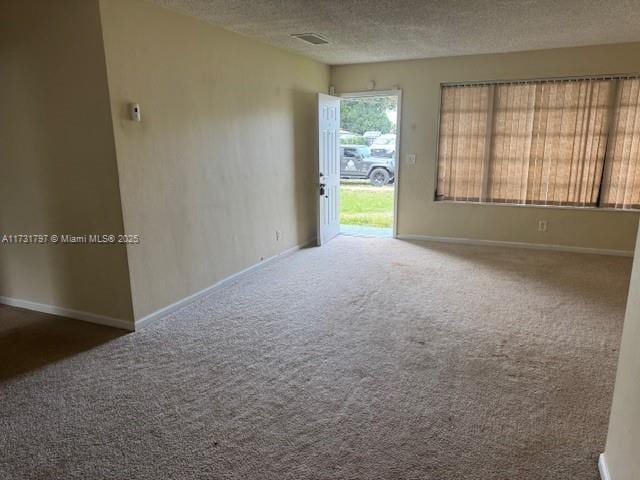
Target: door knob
(322, 187)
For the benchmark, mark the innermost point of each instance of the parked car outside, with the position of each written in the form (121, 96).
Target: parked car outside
(384, 146)
(356, 161)
(371, 135)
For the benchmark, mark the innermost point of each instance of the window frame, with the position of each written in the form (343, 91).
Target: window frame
(614, 76)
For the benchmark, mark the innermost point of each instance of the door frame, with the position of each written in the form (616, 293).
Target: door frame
(396, 183)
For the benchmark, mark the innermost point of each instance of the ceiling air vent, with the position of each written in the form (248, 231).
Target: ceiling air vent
(312, 38)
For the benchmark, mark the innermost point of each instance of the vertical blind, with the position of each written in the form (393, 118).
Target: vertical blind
(621, 183)
(562, 142)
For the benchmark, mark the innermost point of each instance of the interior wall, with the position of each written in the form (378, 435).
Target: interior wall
(57, 159)
(420, 80)
(621, 451)
(223, 157)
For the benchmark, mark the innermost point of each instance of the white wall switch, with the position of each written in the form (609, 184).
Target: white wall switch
(411, 159)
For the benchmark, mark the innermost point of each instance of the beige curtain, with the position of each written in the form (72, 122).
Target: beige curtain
(463, 137)
(621, 185)
(549, 142)
(539, 142)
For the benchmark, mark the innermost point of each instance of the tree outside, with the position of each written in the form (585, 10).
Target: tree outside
(368, 114)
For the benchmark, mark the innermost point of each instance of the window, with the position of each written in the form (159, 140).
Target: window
(552, 142)
(364, 151)
(621, 183)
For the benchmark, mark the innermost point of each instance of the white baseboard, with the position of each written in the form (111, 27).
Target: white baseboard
(163, 312)
(68, 312)
(533, 246)
(602, 466)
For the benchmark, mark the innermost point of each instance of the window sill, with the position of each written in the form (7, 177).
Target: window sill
(546, 207)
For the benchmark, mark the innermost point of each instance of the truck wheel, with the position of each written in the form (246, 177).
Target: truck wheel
(379, 177)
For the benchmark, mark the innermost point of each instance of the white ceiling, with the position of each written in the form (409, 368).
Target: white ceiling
(378, 30)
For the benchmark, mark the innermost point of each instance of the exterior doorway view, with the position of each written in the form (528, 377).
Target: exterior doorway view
(369, 139)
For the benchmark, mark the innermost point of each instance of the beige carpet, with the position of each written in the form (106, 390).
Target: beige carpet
(363, 359)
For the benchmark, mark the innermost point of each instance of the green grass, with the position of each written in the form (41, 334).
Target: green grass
(363, 204)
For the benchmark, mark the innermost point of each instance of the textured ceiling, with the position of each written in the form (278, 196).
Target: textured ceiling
(377, 30)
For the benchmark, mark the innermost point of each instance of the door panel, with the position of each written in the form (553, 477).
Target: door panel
(328, 167)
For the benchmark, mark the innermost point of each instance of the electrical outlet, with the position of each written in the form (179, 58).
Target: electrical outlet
(542, 225)
(411, 159)
(278, 235)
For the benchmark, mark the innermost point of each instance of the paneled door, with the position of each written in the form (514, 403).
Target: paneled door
(328, 167)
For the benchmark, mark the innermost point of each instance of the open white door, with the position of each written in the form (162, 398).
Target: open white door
(328, 167)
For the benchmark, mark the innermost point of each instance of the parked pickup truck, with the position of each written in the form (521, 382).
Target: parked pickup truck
(356, 162)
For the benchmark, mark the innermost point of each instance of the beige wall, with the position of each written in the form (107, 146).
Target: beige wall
(420, 80)
(57, 158)
(224, 155)
(621, 452)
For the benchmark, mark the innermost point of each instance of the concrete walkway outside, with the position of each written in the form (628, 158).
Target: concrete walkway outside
(365, 231)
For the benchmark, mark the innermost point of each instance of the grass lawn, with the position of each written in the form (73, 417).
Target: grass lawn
(363, 204)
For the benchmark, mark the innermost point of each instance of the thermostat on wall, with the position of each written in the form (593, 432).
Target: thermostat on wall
(134, 112)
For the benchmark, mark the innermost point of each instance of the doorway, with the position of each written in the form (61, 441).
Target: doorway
(369, 161)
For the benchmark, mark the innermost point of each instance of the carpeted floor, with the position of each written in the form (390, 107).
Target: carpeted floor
(369, 358)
